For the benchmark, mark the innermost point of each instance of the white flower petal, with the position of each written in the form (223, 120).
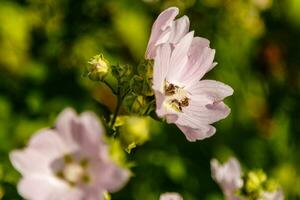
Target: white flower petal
(170, 196)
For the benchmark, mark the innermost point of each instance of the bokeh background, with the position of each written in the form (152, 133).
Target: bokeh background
(45, 44)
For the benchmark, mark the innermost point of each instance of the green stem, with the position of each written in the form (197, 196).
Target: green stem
(119, 103)
(110, 87)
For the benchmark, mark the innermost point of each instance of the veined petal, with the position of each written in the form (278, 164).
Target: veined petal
(179, 57)
(163, 21)
(200, 133)
(161, 66)
(179, 29)
(200, 66)
(206, 114)
(214, 90)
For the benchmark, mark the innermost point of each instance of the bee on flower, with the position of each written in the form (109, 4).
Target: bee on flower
(180, 62)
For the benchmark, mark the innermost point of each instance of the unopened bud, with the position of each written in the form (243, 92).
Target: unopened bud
(98, 68)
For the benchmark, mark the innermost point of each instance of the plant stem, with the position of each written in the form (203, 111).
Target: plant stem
(109, 86)
(119, 103)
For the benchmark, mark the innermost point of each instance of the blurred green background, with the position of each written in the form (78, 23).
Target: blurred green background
(45, 44)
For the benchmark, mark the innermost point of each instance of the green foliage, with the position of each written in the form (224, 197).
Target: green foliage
(45, 46)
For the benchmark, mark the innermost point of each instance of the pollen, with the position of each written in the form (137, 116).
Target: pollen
(177, 97)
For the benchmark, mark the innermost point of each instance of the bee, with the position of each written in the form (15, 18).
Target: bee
(170, 89)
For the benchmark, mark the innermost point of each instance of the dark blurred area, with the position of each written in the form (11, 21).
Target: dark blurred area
(45, 44)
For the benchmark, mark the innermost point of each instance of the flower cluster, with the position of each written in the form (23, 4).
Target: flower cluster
(252, 186)
(76, 160)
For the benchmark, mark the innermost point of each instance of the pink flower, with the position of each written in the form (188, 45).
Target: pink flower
(170, 196)
(69, 162)
(276, 195)
(181, 97)
(166, 30)
(228, 176)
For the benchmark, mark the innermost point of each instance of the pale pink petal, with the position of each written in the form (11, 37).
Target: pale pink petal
(47, 188)
(159, 99)
(161, 66)
(198, 52)
(214, 90)
(49, 144)
(179, 29)
(228, 176)
(64, 126)
(163, 21)
(200, 133)
(87, 133)
(94, 129)
(30, 161)
(109, 175)
(179, 57)
(202, 63)
(170, 196)
(205, 113)
(276, 195)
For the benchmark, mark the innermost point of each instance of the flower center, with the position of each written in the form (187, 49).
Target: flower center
(176, 97)
(73, 171)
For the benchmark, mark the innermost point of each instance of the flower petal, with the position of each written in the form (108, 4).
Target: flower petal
(30, 161)
(163, 21)
(47, 188)
(108, 175)
(161, 66)
(276, 195)
(200, 133)
(64, 126)
(228, 176)
(179, 29)
(214, 90)
(170, 196)
(179, 58)
(198, 66)
(87, 133)
(49, 144)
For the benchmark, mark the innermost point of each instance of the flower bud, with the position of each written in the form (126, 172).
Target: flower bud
(254, 181)
(134, 131)
(135, 104)
(98, 68)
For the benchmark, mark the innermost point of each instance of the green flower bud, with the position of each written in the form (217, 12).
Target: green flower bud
(254, 181)
(133, 132)
(98, 68)
(122, 72)
(145, 69)
(135, 104)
